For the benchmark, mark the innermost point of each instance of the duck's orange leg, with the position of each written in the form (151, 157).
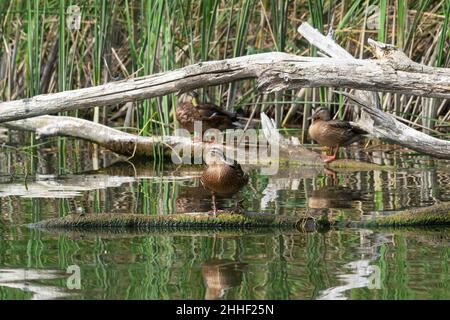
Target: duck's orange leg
(329, 159)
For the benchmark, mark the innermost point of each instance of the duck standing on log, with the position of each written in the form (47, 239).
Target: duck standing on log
(210, 115)
(222, 176)
(333, 133)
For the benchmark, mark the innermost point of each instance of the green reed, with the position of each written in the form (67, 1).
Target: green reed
(153, 36)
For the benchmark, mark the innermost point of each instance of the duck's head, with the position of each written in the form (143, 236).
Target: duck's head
(194, 97)
(215, 155)
(190, 96)
(320, 113)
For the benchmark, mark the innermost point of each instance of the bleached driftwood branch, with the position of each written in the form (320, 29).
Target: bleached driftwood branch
(379, 124)
(274, 71)
(109, 138)
(133, 145)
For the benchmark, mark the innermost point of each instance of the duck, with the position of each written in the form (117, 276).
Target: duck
(222, 175)
(210, 115)
(333, 133)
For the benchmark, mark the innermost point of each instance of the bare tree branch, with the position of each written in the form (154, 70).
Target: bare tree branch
(379, 124)
(273, 71)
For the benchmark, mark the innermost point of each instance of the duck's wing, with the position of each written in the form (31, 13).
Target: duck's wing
(210, 110)
(346, 127)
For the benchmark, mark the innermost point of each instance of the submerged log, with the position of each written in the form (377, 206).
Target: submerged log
(225, 220)
(436, 215)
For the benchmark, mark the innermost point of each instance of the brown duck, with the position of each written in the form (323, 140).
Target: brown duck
(211, 115)
(333, 133)
(222, 175)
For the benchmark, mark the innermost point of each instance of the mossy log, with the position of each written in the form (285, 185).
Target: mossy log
(436, 215)
(192, 221)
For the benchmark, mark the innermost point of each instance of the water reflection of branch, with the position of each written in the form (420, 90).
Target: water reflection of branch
(364, 274)
(25, 280)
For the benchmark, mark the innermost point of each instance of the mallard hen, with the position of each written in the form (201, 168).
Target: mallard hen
(222, 175)
(210, 115)
(333, 133)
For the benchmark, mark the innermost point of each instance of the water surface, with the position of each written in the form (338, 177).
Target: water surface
(334, 264)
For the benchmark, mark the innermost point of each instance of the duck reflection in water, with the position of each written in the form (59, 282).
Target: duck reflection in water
(193, 199)
(322, 200)
(223, 176)
(221, 275)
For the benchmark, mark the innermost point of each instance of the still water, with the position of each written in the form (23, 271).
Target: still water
(256, 264)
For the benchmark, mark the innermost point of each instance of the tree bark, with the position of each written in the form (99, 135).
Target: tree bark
(273, 71)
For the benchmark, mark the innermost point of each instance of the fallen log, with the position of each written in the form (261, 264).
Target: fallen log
(112, 139)
(436, 215)
(225, 220)
(274, 71)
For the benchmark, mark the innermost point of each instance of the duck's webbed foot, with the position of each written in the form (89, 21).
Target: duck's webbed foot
(334, 152)
(328, 159)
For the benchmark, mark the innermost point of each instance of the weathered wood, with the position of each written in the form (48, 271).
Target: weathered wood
(110, 138)
(383, 126)
(274, 71)
(129, 144)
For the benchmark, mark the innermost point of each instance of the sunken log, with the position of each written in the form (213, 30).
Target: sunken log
(436, 215)
(192, 221)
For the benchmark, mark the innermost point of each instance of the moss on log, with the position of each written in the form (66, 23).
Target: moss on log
(190, 221)
(435, 215)
(355, 165)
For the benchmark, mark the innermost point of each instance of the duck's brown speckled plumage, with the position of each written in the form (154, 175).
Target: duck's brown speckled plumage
(211, 115)
(222, 175)
(223, 178)
(333, 133)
